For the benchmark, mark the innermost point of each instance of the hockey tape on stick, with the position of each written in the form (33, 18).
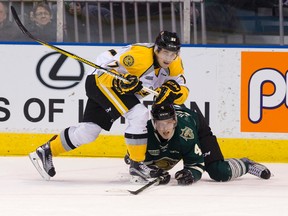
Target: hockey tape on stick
(145, 186)
(66, 53)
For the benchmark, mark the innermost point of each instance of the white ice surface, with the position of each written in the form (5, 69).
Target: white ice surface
(98, 187)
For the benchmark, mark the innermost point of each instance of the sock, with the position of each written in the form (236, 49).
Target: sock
(137, 152)
(238, 167)
(56, 146)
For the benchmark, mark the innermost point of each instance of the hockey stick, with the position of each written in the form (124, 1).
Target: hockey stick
(66, 53)
(149, 184)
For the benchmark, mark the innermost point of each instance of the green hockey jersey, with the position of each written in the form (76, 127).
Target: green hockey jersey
(184, 145)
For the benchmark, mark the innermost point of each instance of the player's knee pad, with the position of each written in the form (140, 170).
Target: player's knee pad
(137, 119)
(85, 132)
(219, 171)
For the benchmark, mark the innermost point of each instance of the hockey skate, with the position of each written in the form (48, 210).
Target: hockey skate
(257, 169)
(43, 154)
(127, 158)
(141, 173)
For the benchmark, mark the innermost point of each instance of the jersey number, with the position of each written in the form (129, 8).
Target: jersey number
(197, 150)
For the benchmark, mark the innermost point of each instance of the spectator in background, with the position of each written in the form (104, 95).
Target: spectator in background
(8, 30)
(79, 10)
(42, 24)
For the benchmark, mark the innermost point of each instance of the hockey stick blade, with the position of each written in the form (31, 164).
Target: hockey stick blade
(145, 186)
(66, 53)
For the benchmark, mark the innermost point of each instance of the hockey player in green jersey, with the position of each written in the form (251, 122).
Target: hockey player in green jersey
(176, 133)
(172, 136)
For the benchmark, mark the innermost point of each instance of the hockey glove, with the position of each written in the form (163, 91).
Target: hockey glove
(168, 92)
(184, 177)
(132, 85)
(164, 176)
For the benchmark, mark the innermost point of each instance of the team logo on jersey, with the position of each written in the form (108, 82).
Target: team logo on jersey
(166, 163)
(207, 154)
(108, 110)
(187, 133)
(128, 60)
(164, 148)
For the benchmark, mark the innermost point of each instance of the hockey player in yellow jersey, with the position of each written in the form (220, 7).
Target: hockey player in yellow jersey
(157, 66)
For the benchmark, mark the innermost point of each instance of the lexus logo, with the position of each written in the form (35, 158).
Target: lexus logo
(57, 71)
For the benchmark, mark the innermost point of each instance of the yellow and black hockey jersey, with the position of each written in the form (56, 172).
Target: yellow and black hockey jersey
(138, 59)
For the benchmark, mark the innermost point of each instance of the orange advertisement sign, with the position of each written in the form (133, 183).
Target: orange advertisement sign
(264, 92)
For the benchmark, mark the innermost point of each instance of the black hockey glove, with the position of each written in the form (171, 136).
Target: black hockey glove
(168, 92)
(165, 178)
(163, 175)
(132, 85)
(184, 177)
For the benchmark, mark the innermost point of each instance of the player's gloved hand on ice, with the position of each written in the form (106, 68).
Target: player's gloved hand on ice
(165, 178)
(132, 85)
(163, 175)
(168, 92)
(184, 177)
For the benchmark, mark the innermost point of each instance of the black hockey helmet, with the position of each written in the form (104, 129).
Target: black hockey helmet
(163, 112)
(168, 40)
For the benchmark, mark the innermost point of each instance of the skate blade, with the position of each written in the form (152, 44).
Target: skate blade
(34, 159)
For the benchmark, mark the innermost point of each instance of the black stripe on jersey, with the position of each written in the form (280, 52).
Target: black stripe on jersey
(113, 52)
(136, 136)
(183, 78)
(68, 141)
